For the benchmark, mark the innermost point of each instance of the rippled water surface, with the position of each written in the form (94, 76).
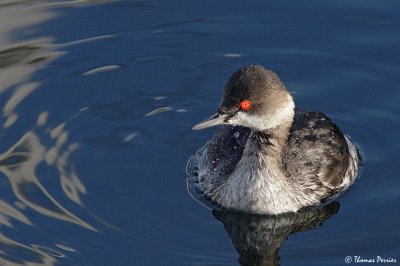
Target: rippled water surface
(98, 100)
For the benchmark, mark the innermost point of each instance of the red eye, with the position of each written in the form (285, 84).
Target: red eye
(245, 105)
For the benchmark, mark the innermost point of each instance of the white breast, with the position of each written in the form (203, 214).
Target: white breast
(257, 186)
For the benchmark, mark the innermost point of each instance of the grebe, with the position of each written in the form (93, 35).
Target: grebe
(267, 157)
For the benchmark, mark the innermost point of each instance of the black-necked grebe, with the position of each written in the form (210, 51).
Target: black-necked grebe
(268, 157)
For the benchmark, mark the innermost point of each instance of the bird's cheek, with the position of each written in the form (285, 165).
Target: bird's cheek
(236, 119)
(230, 121)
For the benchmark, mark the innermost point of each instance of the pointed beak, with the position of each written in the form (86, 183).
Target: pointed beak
(214, 120)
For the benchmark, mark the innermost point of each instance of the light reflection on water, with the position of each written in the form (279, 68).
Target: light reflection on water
(20, 162)
(42, 145)
(19, 165)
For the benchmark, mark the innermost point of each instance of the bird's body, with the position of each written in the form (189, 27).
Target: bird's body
(271, 158)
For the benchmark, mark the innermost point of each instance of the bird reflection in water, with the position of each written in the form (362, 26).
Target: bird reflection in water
(258, 238)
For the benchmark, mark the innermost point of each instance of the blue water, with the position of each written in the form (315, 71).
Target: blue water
(98, 100)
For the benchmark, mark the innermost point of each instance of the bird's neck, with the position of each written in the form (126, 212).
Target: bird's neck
(263, 153)
(272, 142)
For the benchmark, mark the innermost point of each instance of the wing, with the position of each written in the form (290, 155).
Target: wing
(317, 152)
(222, 153)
